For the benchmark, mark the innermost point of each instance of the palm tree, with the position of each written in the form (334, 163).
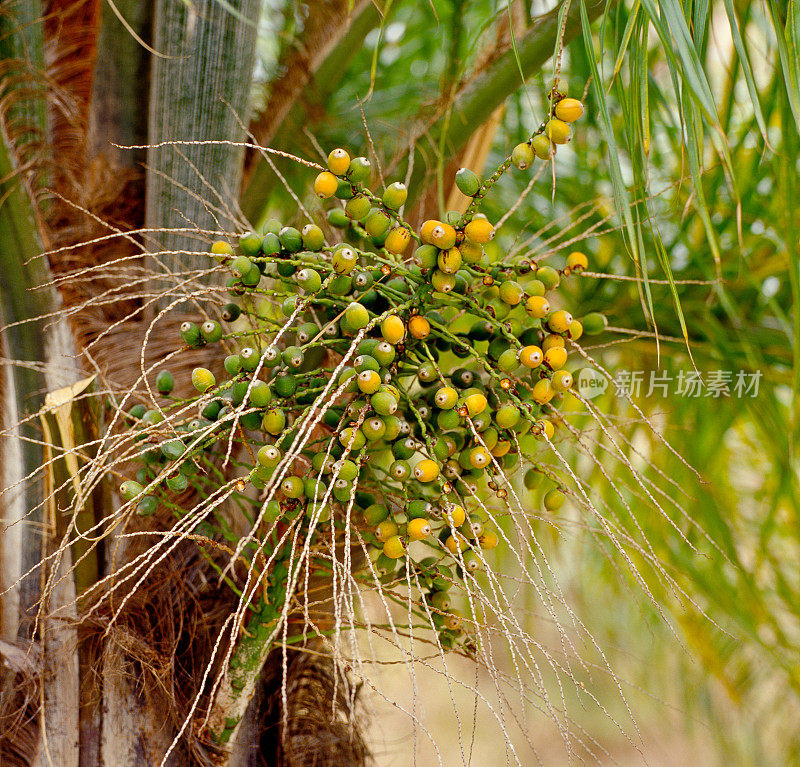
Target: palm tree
(131, 131)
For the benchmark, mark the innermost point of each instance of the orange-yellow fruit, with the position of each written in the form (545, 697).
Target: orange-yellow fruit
(559, 321)
(385, 530)
(455, 515)
(475, 403)
(426, 470)
(530, 356)
(569, 110)
(450, 260)
(426, 230)
(393, 330)
(325, 185)
(489, 540)
(393, 547)
(562, 380)
(397, 240)
(443, 236)
(479, 457)
(555, 358)
(479, 230)
(558, 131)
(338, 162)
(577, 261)
(419, 528)
(419, 327)
(552, 340)
(544, 428)
(456, 543)
(501, 448)
(575, 330)
(543, 391)
(537, 307)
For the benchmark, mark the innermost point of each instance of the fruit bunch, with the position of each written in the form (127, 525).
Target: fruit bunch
(381, 382)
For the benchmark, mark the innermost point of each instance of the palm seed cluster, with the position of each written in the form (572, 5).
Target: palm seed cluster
(341, 387)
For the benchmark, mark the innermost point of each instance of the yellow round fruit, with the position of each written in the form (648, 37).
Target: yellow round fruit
(455, 515)
(537, 307)
(559, 321)
(475, 403)
(575, 330)
(426, 230)
(393, 547)
(456, 543)
(393, 330)
(530, 356)
(569, 110)
(479, 231)
(443, 236)
(325, 185)
(577, 261)
(479, 458)
(397, 240)
(562, 380)
(426, 470)
(552, 340)
(555, 358)
(471, 252)
(558, 131)
(386, 530)
(419, 528)
(450, 260)
(453, 620)
(419, 327)
(489, 540)
(543, 391)
(221, 248)
(544, 428)
(338, 162)
(446, 398)
(368, 381)
(542, 146)
(442, 282)
(501, 448)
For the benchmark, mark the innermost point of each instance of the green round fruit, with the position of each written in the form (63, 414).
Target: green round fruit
(231, 312)
(358, 208)
(211, 331)
(468, 182)
(395, 195)
(383, 403)
(338, 218)
(147, 506)
(290, 239)
(292, 487)
(260, 394)
(271, 244)
(274, 421)
(190, 334)
(359, 170)
(313, 237)
(377, 223)
(165, 382)
(309, 280)
(293, 356)
(130, 489)
(177, 483)
(523, 156)
(357, 316)
(285, 385)
(250, 244)
(594, 323)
